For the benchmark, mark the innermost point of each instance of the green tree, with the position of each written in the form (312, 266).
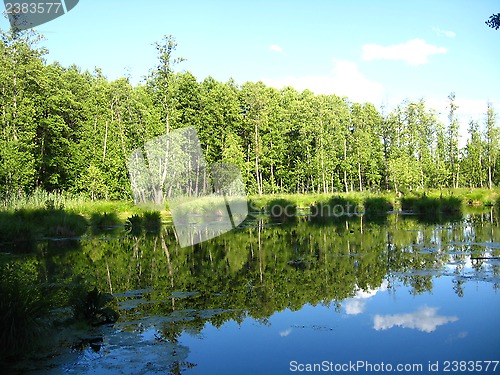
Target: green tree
(492, 143)
(473, 170)
(453, 152)
(21, 100)
(162, 79)
(232, 152)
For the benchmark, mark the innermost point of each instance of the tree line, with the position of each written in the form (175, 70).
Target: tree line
(68, 130)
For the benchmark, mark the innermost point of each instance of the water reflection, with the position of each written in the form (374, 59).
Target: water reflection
(168, 297)
(357, 304)
(425, 319)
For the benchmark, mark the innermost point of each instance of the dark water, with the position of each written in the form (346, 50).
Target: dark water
(278, 298)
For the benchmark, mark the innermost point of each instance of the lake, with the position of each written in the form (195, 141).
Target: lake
(396, 293)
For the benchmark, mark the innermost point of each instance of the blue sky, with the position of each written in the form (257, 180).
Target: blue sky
(377, 51)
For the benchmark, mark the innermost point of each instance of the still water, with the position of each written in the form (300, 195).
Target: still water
(341, 296)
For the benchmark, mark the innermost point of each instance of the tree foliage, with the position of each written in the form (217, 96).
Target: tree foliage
(64, 129)
(494, 21)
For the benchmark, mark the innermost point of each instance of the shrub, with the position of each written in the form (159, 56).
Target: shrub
(134, 224)
(102, 221)
(152, 221)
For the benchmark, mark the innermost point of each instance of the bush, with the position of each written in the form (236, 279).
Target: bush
(102, 221)
(281, 209)
(133, 225)
(377, 206)
(152, 221)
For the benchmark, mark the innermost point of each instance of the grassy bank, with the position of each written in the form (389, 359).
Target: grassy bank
(62, 215)
(428, 201)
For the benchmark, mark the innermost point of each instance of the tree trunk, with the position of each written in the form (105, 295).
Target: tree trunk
(14, 104)
(490, 180)
(257, 173)
(105, 142)
(359, 176)
(345, 166)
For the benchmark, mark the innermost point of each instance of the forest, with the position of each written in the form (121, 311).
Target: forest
(68, 130)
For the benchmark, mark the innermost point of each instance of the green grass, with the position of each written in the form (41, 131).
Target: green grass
(30, 224)
(100, 222)
(426, 205)
(380, 201)
(22, 309)
(63, 215)
(281, 209)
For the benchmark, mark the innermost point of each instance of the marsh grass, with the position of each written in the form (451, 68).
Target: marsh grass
(434, 208)
(281, 209)
(29, 224)
(152, 221)
(100, 222)
(22, 309)
(54, 201)
(334, 206)
(377, 205)
(39, 199)
(56, 214)
(133, 225)
(447, 201)
(479, 197)
(149, 221)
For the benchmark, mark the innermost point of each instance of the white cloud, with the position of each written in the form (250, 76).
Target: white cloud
(446, 33)
(357, 304)
(275, 48)
(414, 52)
(345, 79)
(286, 332)
(425, 319)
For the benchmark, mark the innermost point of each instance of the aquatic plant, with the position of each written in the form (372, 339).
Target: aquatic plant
(377, 206)
(91, 306)
(102, 221)
(281, 209)
(133, 224)
(22, 308)
(152, 221)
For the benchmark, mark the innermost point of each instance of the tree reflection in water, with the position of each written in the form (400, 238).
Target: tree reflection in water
(261, 268)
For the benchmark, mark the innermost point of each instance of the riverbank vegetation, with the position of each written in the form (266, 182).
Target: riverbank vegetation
(61, 215)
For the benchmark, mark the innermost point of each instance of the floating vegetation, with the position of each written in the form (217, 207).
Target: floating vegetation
(281, 209)
(100, 222)
(93, 308)
(133, 225)
(152, 221)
